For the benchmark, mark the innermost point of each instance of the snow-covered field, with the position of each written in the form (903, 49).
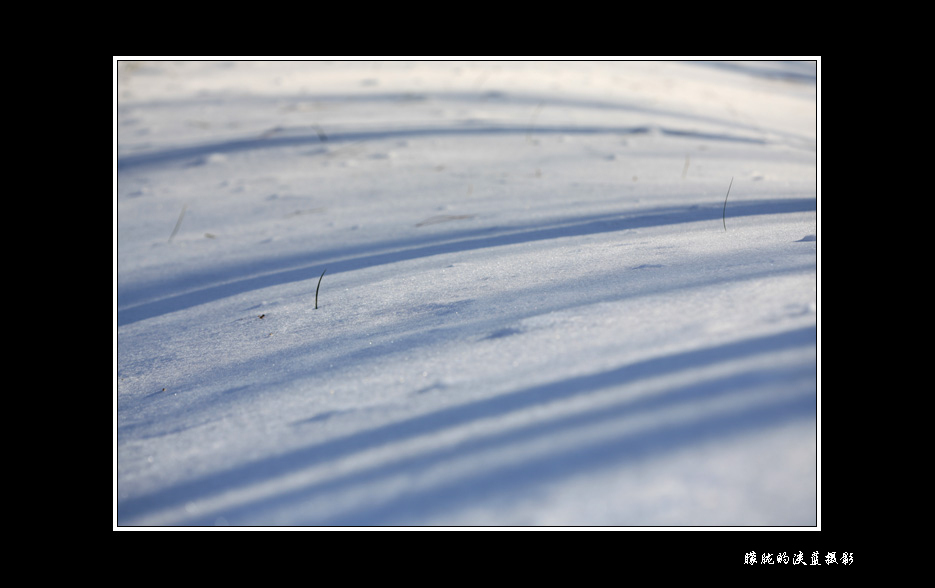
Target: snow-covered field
(531, 312)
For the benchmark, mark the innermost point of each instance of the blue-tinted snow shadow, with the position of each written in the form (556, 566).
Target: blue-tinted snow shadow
(567, 461)
(315, 134)
(518, 478)
(805, 72)
(298, 137)
(139, 304)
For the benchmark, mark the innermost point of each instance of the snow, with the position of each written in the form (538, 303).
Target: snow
(532, 313)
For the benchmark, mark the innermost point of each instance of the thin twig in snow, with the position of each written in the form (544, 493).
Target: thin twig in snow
(724, 212)
(178, 223)
(319, 286)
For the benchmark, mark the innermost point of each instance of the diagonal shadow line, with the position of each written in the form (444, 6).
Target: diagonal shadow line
(129, 162)
(557, 464)
(801, 72)
(128, 295)
(267, 469)
(563, 463)
(612, 223)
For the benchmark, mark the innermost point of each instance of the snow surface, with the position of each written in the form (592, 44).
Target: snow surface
(532, 313)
